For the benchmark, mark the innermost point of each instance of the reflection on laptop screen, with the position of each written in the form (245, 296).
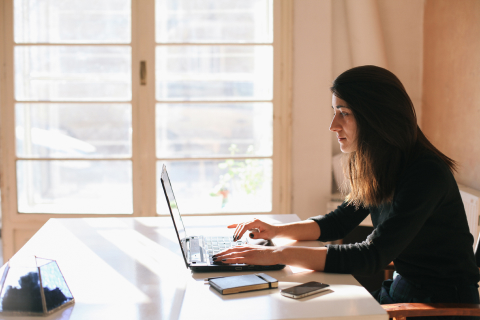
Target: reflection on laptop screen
(177, 219)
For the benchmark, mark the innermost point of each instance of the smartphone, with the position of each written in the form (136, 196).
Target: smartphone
(304, 290)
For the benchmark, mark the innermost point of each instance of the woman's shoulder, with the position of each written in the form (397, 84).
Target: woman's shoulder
(427, 182)
(427, 161)
(427, 171)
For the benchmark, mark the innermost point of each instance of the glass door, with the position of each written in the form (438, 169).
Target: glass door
(73, 106)
(214, 110)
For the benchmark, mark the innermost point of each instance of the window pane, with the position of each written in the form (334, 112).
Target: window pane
(218, 186)
(214, 72)
(73, 130)
(230, 21)
(72, 21)
(75, 186)
(214, 129)
(73, 73)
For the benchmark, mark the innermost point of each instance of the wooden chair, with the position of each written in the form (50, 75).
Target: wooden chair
(400, 311)
(389, 271)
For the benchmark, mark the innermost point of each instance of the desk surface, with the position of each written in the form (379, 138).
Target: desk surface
(132, 268)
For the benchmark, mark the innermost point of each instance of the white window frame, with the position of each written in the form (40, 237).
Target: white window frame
(17, 227)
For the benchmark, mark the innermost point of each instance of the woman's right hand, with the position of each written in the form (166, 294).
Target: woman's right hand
(265, 231)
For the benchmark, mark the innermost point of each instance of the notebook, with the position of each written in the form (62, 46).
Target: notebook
(197, 250)
(247, 282)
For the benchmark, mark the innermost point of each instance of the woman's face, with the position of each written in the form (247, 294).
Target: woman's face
(344, 125)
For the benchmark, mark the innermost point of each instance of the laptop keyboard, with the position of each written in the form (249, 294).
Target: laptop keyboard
(216, 244)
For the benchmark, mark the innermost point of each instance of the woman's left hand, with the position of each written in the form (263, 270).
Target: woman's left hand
(250, 254)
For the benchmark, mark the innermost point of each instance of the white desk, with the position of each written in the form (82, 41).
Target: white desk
(131, 268)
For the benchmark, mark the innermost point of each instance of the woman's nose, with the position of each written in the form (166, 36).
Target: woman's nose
(334, 126)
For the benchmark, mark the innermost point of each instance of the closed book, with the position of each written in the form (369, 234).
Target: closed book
(249, 282)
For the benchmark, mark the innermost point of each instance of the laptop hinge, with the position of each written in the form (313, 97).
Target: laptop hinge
(187, 250)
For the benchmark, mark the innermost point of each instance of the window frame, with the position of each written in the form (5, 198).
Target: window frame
(18, 227)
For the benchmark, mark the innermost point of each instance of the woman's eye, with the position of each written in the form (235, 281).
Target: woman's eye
(343, 114)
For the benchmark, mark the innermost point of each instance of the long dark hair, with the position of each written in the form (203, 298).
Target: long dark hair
(388, 136)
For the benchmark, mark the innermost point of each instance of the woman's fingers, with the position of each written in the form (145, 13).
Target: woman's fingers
(260, 230)
(240, 230)
(232, 257)
(237, 230)
(244, 227)
(253, 233)
(222, 254)
(231, 260)
(233, 250)
(258, 255)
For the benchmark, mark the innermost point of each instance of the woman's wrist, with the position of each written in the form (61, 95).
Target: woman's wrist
(302, 230)
(281, 255)
(281, 231)
(304, 257)
(287, 255)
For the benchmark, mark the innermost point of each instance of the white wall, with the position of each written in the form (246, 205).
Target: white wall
(402, 24)
(451, 95)
(312, 77)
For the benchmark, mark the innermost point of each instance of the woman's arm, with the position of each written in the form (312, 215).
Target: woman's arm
(305, 257)
(302, 230)
(333, 226)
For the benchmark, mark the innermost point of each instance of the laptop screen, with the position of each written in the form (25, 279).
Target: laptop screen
(174, 212)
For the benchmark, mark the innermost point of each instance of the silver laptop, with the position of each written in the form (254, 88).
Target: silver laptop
(197, 250)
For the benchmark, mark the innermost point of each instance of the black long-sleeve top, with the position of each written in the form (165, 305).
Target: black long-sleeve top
(423, 230)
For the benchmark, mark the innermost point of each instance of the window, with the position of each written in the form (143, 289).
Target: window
(214, 114)
(98, 95)
(73, 106)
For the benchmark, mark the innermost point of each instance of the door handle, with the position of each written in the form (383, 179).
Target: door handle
(143, 73)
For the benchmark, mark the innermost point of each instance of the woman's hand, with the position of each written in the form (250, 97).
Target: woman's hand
(263, 230)
(312, 258)
(301, 230)
(250, 254)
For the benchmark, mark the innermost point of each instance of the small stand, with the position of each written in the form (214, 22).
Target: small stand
(36, 287)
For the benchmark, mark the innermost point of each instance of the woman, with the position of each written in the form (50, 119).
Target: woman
(398, 177)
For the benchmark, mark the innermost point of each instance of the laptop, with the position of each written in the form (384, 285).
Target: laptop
(197, 250)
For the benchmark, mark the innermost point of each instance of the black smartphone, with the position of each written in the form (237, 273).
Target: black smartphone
(304, 290)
